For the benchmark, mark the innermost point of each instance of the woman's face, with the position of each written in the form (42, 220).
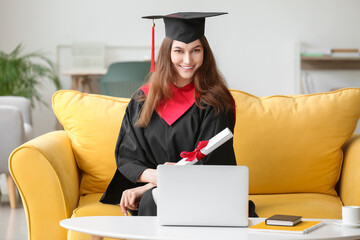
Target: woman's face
(186, 59)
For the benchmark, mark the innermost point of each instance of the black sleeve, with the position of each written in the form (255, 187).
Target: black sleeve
(130, 156)
(117, 186)
(213, 124)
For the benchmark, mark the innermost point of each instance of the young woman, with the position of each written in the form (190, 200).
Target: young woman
(185, 101)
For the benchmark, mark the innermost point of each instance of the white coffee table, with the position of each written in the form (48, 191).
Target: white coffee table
(148, 228)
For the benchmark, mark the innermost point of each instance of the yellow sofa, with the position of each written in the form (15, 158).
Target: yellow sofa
(301, 152)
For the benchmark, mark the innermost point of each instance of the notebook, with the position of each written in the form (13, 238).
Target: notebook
(198, 195)
(301, 228)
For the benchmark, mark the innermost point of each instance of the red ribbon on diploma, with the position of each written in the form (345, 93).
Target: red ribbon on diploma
(196, 153)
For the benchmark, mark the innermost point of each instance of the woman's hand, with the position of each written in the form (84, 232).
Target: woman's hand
(169, 163)
(150, 175)
(131, 197)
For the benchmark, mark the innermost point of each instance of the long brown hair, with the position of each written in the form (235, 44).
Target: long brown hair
(210, 86)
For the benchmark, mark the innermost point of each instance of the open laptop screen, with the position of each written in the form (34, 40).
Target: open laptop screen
(200, 195)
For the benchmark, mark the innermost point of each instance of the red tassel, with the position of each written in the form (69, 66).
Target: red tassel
(152, 69)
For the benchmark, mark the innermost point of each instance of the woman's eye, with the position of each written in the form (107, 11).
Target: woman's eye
(178, 51)
(197, 50)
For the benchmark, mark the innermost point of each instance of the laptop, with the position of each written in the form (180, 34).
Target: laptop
(200, 195)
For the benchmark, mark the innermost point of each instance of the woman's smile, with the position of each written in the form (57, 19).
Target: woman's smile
(187, 67)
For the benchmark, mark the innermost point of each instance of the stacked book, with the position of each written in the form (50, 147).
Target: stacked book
(315, 52)
(283, 220)
(286, 224)
(331, 52)
(337, 52)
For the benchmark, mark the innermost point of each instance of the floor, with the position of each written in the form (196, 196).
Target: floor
(12, 221)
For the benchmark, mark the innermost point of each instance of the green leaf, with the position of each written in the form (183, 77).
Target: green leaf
(22, 75)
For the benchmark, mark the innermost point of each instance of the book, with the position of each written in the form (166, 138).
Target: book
(313, 55)
(301, 228)
(345, 55)
(212, 144)
(283, 220)
(345, 52)
(315, 52)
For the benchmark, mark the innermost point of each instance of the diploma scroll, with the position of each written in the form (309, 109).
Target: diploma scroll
(212, 144)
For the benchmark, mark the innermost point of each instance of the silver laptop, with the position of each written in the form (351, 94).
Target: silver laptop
(199, 195)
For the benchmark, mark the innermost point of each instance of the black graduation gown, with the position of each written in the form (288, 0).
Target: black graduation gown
(140, 148)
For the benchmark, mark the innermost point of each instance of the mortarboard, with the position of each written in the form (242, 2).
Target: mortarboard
(182, 26)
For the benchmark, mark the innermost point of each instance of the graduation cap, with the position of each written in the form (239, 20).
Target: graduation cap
(182, 26)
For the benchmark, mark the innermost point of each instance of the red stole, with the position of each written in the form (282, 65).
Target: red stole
(182, 99)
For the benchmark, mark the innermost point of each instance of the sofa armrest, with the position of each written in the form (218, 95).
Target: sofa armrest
(350, 177)
(46, 173)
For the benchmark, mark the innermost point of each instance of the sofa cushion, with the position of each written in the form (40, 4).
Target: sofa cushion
(92, 123)
(293, 143)
(89, 205)
(307, 205)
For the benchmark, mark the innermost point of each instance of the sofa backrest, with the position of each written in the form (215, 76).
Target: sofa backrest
(289, 143)
(293, 143)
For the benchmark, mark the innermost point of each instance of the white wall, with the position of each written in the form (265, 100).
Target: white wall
(254, 44)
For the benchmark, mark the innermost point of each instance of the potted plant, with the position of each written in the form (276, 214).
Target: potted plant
(20, 75)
